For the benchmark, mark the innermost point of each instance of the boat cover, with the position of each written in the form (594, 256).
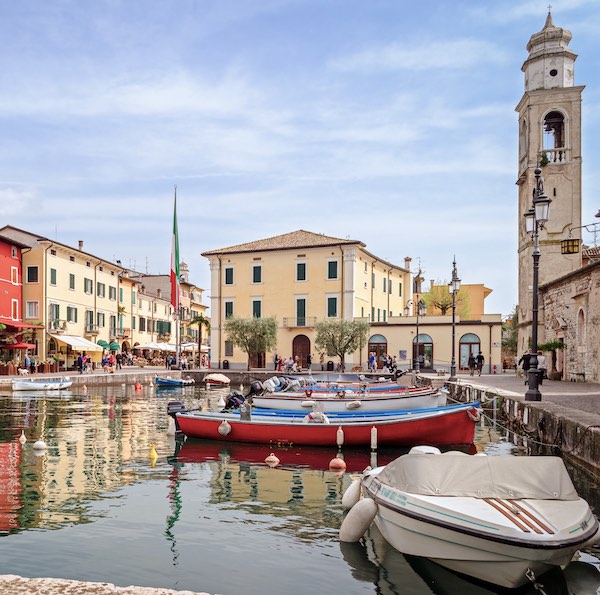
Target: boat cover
(458, 474)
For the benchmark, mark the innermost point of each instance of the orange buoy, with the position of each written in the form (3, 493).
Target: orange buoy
(272, 460)
(337, 464)
(138, 386)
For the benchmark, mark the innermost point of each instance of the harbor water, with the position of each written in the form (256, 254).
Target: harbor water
(115, 498)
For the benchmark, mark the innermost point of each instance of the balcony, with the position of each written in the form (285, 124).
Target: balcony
(163, 336)
(123, 333)
(300, 322)
(92, 329)
(57, 326)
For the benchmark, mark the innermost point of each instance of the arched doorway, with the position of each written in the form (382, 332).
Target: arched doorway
(423, 352)
(469, 343)
(378, 345)
(301, 348)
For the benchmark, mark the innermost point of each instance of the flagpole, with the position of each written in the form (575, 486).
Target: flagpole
(175, 278)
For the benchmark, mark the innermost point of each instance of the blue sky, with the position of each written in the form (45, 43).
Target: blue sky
(387, 121)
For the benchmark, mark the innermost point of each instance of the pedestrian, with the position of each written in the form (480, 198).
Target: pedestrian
(308, 362)
(371, 362)
(525, 361)
(480, 361)
(472, 363)
(275, 362)
(541, 364)
(119, 360)
(322, 362)
(80, 363)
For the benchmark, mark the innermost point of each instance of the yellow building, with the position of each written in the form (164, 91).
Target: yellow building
(303, 277)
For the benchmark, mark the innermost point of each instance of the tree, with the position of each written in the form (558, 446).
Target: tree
(439, 297)
(339, 337)
(252, 335)
(201, 321)
(510, 332)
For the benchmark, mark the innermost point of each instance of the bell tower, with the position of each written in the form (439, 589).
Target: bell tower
(549, 137)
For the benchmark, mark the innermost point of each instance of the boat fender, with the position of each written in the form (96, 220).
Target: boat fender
(474, 414)
(358, 520)
(353, 405)
(316, 417)
(337, 464)
(424, 450)
(272, 460)
(351, 495)
(308, 404)
(171, 429)
(224, 428)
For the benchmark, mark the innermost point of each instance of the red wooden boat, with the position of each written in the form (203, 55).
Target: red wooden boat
(450, 425)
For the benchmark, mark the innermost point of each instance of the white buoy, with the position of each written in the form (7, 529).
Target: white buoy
(39, 445)
(151, 383)
(358, 520)
(224, 428)
(221, 402)
(373, 438)
(339, 437)
(171, 429)
(272, 460)
(351, 495)
(22, 437)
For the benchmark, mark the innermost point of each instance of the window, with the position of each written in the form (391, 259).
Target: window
(32, 274)
(112, 324)
(53, 277)
(300, 271)
(256, 308)
(14, 275)
(14, 252)
(142, 324)
(72, 258)
(32, 309)
(229, 348)
(89, 319)
(228, 275)
(400, 289)
(332, 269)
(373, 314)
(384, 285)
(121, 297)
(88, 286)
(372, 279)
(54, 312)
(112, 293)
(378, 315)
(390, 287)
(101, 291)
(15, 309)
(71, 281)
(228, 309)
(71, 314)
(332, 307)
(100, 318)
(384, 314)
(133, 322)
(53, 252)
(256, 274)
(366, 266)
(133, 298)
(301, 311)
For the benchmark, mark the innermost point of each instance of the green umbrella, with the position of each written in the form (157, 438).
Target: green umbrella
(103, 343)
(114, 346)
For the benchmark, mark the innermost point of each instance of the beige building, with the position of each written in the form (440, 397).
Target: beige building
(302, 277)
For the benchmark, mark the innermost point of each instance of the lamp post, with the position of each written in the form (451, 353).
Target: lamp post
(535, 219)
(453, 288)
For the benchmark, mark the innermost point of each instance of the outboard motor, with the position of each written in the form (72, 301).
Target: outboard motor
(174, 407)
(256, 389)
(234, 400)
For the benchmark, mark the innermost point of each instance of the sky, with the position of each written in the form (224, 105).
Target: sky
(391, 122)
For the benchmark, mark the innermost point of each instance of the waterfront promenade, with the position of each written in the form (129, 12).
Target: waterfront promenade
(575, 399)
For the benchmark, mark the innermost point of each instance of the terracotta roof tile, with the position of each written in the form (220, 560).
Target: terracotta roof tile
(287, 241)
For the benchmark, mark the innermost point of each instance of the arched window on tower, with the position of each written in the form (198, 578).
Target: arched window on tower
(554, 150)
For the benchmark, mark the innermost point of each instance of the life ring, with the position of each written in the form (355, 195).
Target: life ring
(474, 414)
(309, 393)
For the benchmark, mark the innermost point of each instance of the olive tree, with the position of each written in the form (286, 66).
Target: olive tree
(338, 337)
(252, 335)
(439, 298)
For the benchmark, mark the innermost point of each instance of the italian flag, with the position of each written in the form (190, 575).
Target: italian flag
(175, 260)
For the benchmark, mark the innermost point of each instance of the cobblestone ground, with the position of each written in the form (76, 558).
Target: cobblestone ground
(16, 585)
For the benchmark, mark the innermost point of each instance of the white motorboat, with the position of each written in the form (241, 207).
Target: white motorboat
(350, 400)
(495, 518)
(42, 384)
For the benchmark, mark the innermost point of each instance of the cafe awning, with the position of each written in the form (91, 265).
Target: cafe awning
(77, 343)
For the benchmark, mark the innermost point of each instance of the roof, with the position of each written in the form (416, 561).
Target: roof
(287, 241)
(593, 253)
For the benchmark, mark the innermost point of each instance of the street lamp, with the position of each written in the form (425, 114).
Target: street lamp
(453, 288)
(535, 219)
(420, 311)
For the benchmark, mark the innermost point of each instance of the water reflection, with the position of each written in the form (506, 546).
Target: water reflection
(95, 490)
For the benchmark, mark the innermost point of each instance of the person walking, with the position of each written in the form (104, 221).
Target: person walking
(275, 362)
(472, 363)
(308, 362)
(480, 360)
(541, 364)
(525, 361)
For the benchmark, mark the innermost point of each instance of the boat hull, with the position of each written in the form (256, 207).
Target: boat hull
(172, 382)
(41, 385)
(450, 426)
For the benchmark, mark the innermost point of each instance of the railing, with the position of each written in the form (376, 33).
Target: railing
(164, 336)
(92, 329)
(303, 321)
(561, 155)
(57, 326)
(124, 333)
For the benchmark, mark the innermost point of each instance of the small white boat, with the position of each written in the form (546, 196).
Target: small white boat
(495, 518)
(216, 379)
(43, 384)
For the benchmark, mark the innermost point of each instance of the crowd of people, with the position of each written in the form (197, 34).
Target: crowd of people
(475, 363)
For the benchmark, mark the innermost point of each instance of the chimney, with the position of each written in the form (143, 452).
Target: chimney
(80, 245)
(407, 261)
(159, 293)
